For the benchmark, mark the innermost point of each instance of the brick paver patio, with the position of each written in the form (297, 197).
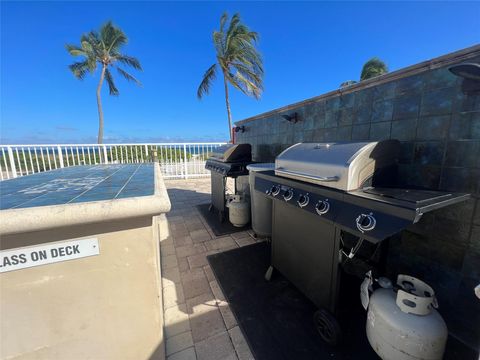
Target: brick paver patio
(198, 321)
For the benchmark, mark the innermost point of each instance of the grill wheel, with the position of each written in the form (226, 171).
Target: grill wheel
(327, 326)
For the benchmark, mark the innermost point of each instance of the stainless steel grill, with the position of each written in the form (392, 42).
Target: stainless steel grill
(339, 165)
(324, 193)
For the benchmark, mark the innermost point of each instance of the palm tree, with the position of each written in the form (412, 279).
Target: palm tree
(373, 67)
(104, 49)
(238, 59)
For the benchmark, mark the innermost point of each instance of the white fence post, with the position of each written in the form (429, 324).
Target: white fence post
(60, 156)
(105, 154)
(185, 171)
(12, 162)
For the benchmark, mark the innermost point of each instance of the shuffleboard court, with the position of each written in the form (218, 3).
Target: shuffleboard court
(78, 184)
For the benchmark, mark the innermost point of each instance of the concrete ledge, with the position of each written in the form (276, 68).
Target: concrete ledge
(46, 217)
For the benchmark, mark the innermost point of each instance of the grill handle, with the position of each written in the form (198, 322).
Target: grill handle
(306, 176)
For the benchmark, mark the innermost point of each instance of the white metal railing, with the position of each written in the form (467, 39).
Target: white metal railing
(177, 160)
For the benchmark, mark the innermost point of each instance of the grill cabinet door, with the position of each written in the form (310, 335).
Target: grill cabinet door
(303, 250)
(218, 191)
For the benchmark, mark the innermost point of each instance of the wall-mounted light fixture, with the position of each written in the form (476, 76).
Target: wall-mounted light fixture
(470, 72)
(239, 129)
(293, 118)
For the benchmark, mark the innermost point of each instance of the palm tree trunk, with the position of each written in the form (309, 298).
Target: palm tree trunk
(227, 101)
(99, 105)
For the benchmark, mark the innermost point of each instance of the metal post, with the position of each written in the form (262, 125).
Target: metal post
(105, 154)
(60, 156)
(185, 174)
(12, 162)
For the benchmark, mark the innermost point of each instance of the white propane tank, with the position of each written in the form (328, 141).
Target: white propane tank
(239, 210)
(405, 325)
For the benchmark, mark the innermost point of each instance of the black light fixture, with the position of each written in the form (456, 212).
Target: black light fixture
(293, 118)
(239, 129)
(470, 72)
(466, 70)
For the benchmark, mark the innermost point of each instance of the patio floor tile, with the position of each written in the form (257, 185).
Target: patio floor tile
(200, 235)
(169, 261)
(171, 276)
(218, 347)
(221, 243)
(199, 260)
(176, 320)
(205, 317)
(179, 342)
(188, 250)
(194, 283)
(198, 320)
(173, 296)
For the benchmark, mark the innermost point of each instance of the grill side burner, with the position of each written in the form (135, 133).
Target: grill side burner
(226, 161)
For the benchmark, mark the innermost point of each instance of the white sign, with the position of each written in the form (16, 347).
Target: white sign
(22, 258)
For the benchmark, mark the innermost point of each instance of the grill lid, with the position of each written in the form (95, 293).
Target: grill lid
(232, 153)
(341, 165)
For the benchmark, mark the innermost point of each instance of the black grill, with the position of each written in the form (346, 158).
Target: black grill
(226, 161)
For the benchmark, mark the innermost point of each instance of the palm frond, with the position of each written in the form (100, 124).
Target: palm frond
(74, 50)
(128, 76)
(249, 73)
(233, 81)
(79, 69)
(223, 21)
(234, 24)
(111, 84)
(208, 77)
(247, 86)
(219, 42)
(129, 60)
(113, 37)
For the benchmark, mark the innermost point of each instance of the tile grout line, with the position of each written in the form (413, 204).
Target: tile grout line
(109, 176)
(123, 187)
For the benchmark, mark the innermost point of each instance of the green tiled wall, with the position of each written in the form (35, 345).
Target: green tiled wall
(439, 127)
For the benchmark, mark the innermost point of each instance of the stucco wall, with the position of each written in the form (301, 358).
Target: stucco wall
(101, 307)
(424, 107)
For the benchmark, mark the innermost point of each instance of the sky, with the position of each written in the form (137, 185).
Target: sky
(308, 48)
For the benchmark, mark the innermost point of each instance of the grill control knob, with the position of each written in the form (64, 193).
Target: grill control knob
(366, 222)
(303, 200)
(288, 195)
(276, 190)
(322, 207)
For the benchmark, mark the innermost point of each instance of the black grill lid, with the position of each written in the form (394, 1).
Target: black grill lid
(232, 153)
